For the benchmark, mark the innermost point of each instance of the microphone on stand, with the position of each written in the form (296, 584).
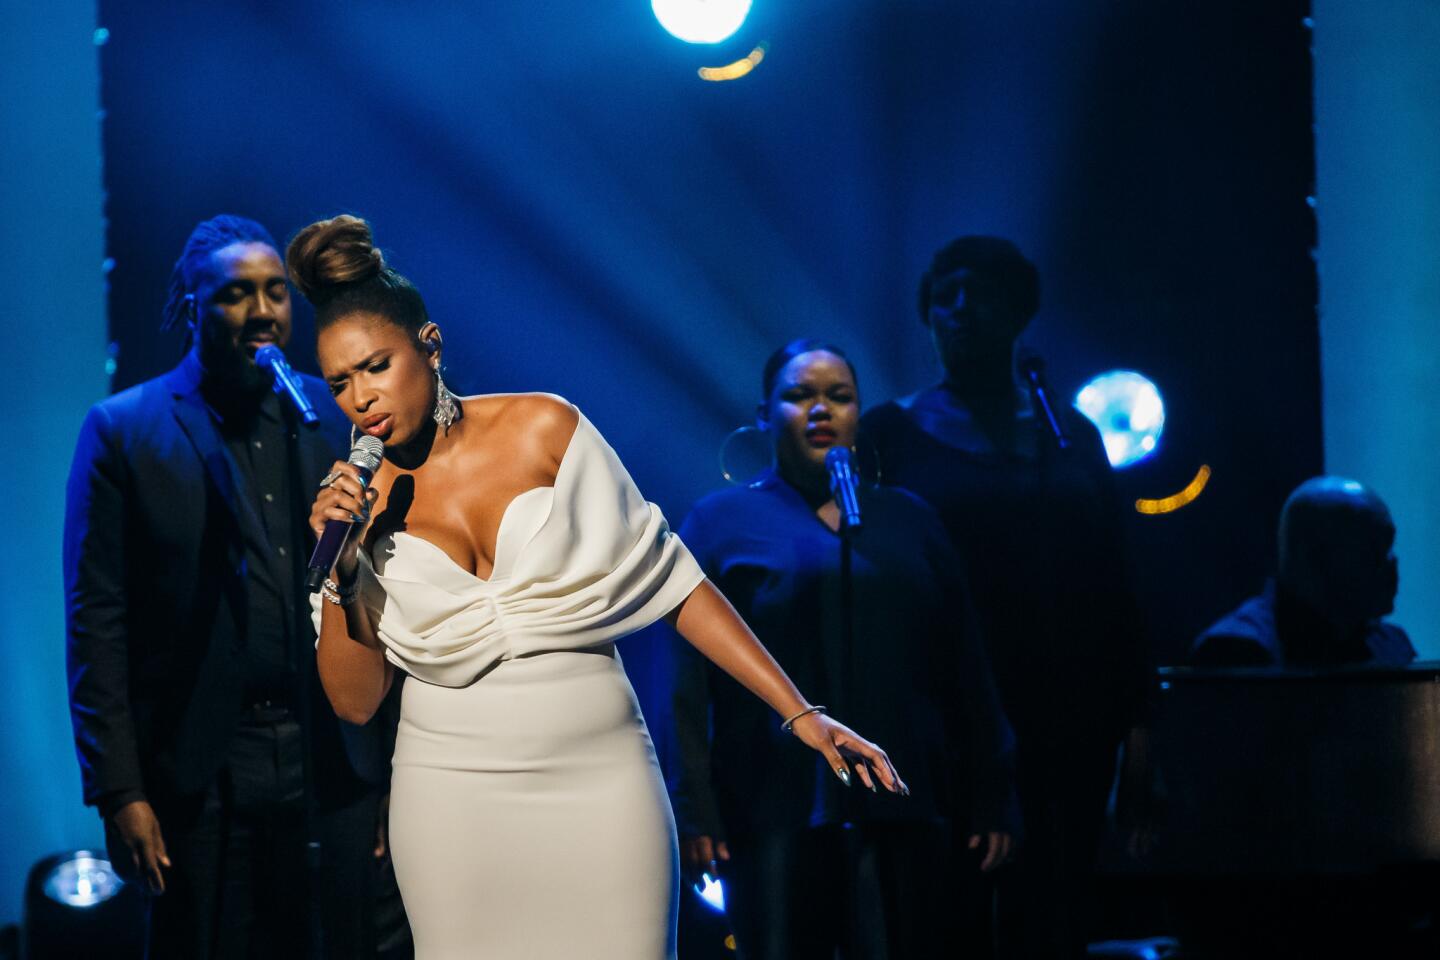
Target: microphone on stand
(286, 383)
(1032, 368)
(840, 464)
(366, 455)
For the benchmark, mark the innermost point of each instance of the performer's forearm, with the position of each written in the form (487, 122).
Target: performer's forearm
(352, 665)
(708, 621)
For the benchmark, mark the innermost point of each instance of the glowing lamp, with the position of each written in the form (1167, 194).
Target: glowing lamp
(1129, 412)
(701, 21)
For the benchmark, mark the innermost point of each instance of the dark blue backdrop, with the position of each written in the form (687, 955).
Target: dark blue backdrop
(586, 216)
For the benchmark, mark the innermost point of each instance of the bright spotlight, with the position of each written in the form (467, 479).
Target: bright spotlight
(1129, 412)
(701, 21)
(76, 906)
(83, 881)
(711, 892)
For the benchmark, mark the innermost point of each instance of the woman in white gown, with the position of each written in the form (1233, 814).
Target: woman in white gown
(502, 550)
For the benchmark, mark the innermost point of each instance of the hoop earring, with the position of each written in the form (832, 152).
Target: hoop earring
(445, 407)
(352, 436)
(725, 449)
(867, 461)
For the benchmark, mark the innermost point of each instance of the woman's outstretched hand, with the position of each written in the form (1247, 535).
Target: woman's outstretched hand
(843, 747)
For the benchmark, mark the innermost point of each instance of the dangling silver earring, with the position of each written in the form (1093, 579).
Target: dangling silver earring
(445, 407)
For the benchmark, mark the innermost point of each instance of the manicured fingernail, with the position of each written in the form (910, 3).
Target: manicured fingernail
(844, 775)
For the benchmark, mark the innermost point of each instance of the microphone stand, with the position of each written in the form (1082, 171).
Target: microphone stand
(848, 799)
(1032, 368)
(844, 484)
(1052, 448)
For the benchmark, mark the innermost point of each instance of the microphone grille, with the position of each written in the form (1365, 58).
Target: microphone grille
(838, 457)
(367, 453)
(266, 356)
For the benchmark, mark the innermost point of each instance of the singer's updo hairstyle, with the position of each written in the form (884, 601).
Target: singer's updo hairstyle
(338, 268)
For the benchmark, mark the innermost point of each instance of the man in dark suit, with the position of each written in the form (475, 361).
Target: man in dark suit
(203, 737)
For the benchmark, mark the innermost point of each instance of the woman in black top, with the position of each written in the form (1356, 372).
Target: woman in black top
(1040, 532)
(747, 794)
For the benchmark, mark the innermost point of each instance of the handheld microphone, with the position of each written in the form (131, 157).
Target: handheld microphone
(287, 384)
(841, 467)
(366, 455)
(1032, 368)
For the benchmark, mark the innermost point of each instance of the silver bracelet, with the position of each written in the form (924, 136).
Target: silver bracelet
(788, 725)
(336, 594)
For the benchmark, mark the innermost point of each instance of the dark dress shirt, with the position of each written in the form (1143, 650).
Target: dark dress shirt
(258, 437)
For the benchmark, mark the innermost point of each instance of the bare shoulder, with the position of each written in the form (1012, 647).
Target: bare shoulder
(537, 425)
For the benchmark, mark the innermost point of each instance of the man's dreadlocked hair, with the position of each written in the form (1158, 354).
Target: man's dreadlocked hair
(217, 233)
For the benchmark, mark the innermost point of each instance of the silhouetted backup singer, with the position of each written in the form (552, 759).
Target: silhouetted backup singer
(1040, 529)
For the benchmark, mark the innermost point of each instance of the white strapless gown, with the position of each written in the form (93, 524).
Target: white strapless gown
(528, 817)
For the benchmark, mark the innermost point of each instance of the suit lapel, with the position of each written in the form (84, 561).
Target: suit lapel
(315, 448)
(198, 423)
(314, 455)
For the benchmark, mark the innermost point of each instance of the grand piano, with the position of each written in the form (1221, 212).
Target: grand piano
(1298, 812)
(1334, 771)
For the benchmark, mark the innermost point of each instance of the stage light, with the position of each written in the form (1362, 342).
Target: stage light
(711, 892)
(82, 881)
(1155, 948)
(76, 906)
(701, 21)
(1128, 410)
(1175, 501)
(736, 70)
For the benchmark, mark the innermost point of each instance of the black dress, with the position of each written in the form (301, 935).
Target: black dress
(911, 677)
(1042, 538)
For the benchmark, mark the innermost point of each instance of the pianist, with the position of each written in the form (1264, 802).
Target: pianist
(1337, 578)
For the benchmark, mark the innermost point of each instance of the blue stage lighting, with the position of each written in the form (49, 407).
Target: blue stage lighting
(82, 881)
(1128, 410)
(76, 906)
(701, 21)
(710, 890)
